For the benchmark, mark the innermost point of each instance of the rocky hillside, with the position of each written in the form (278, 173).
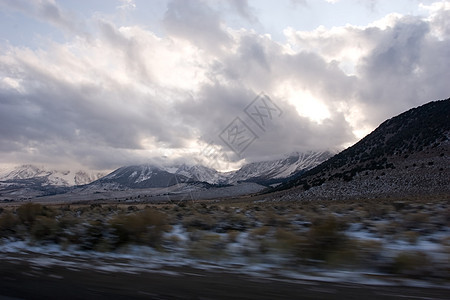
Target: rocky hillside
(405, 155)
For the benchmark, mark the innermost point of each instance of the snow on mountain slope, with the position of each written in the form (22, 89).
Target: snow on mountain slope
(302, 161)
(30, 180)
(48, 177)
(83, 177)
(280, 168)
(23, 172)
(274, 169)
(200, 173)
(151, 176)
(141, 176)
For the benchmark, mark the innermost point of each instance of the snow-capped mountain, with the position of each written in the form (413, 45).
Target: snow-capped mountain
(140, 176)
(84, 177)
(279, 169)
(48, 177)
(37, 181)
(22, 172)
(266, 172)
(151, 176)
(28, 181)
(201, 173)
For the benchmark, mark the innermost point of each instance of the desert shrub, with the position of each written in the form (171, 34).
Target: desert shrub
(416, 220)
(208, 246)
(388, 229)
(273, 219)
(415, 264)
(411, 236)
(232, 221)
(173, 242)
(346, 255)
(369, 252)
(66, 208)
(269, 218)
(288, 241)
(199, 221)
(44, 228)
(94, 234)
(399, 205)
(75, 234)
(95, 205)
(232, 236)
(446, 242)
(324, 238)
(27, 213)
(377, 211)
(195, 235)
(144, 227)
(8, 223)
(67, 221)
(132, 208)
(260, 231)
(214, 208)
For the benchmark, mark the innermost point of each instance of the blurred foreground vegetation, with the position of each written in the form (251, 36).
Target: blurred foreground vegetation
(295, 235)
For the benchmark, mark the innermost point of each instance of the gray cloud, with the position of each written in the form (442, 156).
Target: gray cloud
(406, 67)
(129, 48)
(198, 23)
(55, 117)
(48, 11)
(244, 10)
(128, 96)
(299, 2)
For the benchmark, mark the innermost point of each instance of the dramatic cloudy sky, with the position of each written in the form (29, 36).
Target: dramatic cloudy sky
(101, 84)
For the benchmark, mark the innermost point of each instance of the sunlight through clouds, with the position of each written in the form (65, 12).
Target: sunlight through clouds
(126, 90)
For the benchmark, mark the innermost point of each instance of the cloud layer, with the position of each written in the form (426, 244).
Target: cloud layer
(117, 95)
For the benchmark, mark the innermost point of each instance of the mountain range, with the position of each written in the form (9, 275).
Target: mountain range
(31, 181)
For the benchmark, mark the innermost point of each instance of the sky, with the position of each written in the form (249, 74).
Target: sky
(96, 85)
